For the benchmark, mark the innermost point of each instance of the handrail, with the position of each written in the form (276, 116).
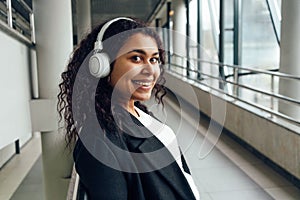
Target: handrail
(279, 74)
(75, 190)
(248, 73)
(15, 34)
(247, 102)
(73, 185)
(271, 94)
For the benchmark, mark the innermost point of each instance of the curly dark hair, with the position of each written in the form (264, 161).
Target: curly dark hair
(72, 97)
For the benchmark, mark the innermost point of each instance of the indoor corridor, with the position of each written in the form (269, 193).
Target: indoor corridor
(227, 172)
(232, 61)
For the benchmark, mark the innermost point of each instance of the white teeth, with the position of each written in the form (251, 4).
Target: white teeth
(142, 83)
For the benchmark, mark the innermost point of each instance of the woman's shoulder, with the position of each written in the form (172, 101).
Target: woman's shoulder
(99, 144)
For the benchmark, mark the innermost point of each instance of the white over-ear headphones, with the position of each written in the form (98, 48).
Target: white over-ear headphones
(99, 63)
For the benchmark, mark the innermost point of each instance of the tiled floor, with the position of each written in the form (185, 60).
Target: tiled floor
(32, 186)
(225, 171)
(13, 174)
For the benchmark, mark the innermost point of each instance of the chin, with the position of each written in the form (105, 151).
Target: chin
(142, 97)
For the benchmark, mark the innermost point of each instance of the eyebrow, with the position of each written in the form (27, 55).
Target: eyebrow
(142, 52)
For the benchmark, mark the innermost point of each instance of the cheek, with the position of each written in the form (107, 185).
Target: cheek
(120, 75)
(114, 78)
(157, 72)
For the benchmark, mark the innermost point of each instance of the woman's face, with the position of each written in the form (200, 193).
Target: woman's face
(136, 68)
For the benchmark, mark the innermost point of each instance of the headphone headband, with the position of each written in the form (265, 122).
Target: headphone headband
(98, 43)
(99, 64)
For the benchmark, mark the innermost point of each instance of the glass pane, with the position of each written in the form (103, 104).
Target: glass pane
(260, 48)
(259, 45)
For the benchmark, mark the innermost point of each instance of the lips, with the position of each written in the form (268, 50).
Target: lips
(143, 83)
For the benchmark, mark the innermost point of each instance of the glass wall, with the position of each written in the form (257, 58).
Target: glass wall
(259, 39)
(207, 47)
(259, 29)
(260, 48)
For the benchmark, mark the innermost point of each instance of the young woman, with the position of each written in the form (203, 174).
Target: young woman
(121, 151)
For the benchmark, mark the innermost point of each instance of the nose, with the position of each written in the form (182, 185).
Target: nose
(148, 68)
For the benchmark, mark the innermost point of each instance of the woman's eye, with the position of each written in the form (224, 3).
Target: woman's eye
(136, 59)
(154, 60)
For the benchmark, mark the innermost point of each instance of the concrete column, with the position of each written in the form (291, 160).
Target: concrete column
(84, 19)
(179, 33)
(289, 56)
(53, 21)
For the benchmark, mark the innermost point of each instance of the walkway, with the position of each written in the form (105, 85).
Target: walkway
(227, 172)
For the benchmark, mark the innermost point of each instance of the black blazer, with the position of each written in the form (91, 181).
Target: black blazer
(135, 178)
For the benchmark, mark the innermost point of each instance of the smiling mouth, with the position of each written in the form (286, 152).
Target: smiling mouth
(143, 83)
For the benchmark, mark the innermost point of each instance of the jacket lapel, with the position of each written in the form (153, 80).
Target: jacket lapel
(152, 155)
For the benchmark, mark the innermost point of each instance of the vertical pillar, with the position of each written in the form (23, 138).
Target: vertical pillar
(9, 14)
(157, 25)
(179, 33)
(289, 56)
(84, 24)
(222, 30)
(199, 36)
(221, 43)
(157, 22)
(53, 22)
(169, 34)
(237, 41)
(187, 32)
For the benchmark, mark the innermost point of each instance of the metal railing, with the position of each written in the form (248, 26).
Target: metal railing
(17, 18)
(231, 87)
(76, 191)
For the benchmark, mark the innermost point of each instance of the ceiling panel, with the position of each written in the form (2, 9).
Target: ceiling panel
(105, 9)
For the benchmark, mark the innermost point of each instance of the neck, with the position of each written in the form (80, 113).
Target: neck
(129, 106)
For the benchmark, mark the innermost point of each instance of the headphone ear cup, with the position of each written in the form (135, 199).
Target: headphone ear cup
(99, 65)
